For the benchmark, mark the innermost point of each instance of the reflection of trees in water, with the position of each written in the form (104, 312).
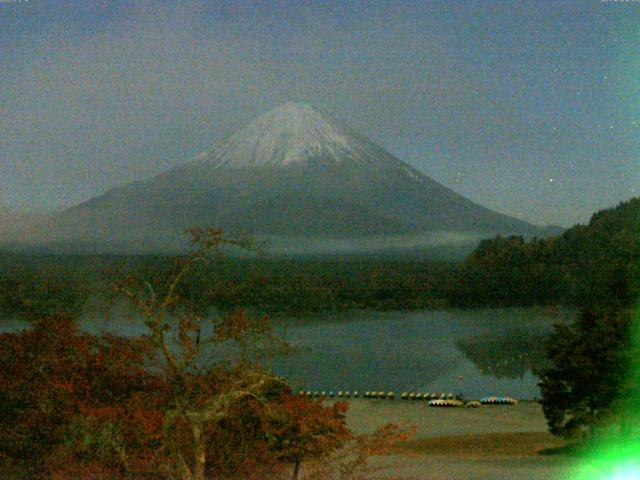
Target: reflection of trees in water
(506, 355)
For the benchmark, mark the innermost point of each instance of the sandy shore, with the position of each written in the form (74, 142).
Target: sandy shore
(490, 442)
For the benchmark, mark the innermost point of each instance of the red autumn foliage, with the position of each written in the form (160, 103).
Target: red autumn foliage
(74, 405)
(81, 406)
(51, 376)
(302, 429)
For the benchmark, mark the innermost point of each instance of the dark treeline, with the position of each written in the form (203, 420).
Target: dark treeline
(592, 264)
(35, 286)
(588, 369)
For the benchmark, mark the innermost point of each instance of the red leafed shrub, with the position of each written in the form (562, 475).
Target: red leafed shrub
(78, 406)
(57, 385)
(298, 428)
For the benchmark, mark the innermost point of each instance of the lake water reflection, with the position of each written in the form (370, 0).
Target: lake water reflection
(419, 351)
(473, 352)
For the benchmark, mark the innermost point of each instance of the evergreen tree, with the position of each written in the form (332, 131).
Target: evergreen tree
(590, 376)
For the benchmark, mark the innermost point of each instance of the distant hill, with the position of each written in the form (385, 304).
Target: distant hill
(17, 226)
(597, 263)
(293, 175)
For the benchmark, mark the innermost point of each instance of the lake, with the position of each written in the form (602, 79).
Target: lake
(473, 352)
(420, 351)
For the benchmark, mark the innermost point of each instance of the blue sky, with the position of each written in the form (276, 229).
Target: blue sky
(531, 108)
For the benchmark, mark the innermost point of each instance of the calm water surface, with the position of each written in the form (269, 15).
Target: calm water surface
(399, 351)
(412, 351)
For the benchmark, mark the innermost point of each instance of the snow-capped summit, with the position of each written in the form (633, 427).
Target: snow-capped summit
(293, 134)
(295, 172)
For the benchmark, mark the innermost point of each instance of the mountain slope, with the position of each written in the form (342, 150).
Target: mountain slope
(295, 171)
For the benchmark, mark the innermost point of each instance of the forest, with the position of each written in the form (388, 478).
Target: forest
(587, 263)
(35, 285)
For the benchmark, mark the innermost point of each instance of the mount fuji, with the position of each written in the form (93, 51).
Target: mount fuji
(296, 173)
